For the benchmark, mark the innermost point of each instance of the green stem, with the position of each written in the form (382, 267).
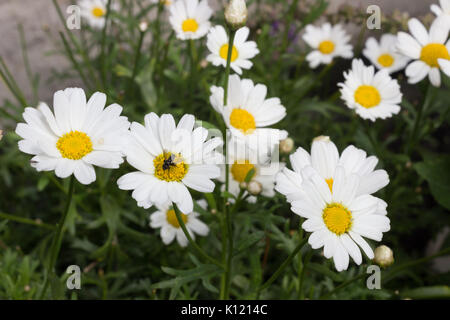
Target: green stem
(191, 241)
(226, 282)
(137, 58)
(103, 43)
(26, 221)
(343, 285)
(283, 266)
(56, 243)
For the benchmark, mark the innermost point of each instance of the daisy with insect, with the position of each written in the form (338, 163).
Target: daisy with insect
(79, 135)
(169, 159)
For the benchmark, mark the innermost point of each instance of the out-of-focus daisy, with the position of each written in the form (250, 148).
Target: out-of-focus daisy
(190, 18)
(372, 95)
(340, 219)
(242, 51)
(167, 3)
(76, 137)
(241, 161)
(442, 11)
(384, 54)
(170, 159)
(166, 219)
(328, 42)
(248, 113)
(324, 159)
(429, 50)
(94, 11)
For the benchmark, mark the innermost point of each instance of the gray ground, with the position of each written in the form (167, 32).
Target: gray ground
(38, 15)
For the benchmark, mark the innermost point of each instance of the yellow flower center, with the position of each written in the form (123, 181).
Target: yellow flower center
(170, 167)
(189, 25)
(330, 184)
(337, 218)
(172, 218)
(432, 52)
(239, 170)
(326, 47)
(367, 96)
(243, 120)
(74, 145)
(386, 60)
(224, 52)
(98, 12)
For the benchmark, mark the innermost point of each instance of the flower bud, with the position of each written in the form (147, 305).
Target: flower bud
(384, 256)
(286, 145)
(322, 138)
(254, 188)
(243, 185)
(236, 14)
(143, 26)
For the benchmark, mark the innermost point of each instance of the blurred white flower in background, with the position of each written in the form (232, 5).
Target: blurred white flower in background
(190, 18)
(328, 42)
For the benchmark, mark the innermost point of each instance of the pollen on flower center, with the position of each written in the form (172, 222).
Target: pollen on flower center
(172, 218)
(326, 47)
(330, 184)
(432, 52)
(189, 25)
(243, 120)
(98, 12)
(367, 96)
(239, 170)
(337, 218)
(386, 60)
(74, 145)
(224, 52)
(169, 167)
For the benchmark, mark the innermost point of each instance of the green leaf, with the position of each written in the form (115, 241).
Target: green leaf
(249, 175)
(435, 292)
(437, 173)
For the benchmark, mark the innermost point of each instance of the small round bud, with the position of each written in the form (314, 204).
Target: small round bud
(384, 256)
(322, 138)
(27, 288)
(243, 185)
(143, 26)
(213, 211)
(286, 145)
(254, 188)
(236, 14)
(203, 63)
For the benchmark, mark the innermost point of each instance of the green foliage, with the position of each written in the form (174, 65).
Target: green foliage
(109, 237)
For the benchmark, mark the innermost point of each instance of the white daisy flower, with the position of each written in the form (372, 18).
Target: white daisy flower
(242, 51)
(166, 219)
(442, 11)
(324, 159)
(76, 137)
(339, 220)
(328, 42)
(242, 160)
(372, 95)
(170, 158)
(94, 11)
(384, 54)
(190, 18)
(248, 113)
(429, 50)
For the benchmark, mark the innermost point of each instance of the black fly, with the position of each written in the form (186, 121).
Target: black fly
(169, 162)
